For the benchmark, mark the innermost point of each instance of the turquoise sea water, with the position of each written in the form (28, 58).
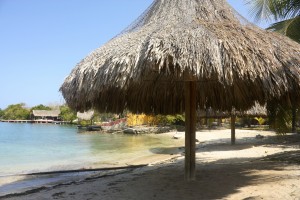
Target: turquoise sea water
(26, 148)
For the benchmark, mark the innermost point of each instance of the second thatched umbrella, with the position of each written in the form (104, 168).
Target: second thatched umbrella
(181, 54)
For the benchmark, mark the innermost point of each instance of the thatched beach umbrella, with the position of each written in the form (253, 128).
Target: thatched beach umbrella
(88, 115)
(185, 53)
(255, 111)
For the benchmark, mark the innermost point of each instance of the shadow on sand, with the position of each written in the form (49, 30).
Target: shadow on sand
(242, 144)
(213, 180)
(228, 175)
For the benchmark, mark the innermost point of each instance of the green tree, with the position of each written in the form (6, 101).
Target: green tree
(40, 107)
(1, 113)
(67, 114)
(280, 117)
(16, 112)
(286, 12)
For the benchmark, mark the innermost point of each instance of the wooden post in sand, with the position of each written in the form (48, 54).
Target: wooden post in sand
(190, 130)
(233, 117)
(294, 119)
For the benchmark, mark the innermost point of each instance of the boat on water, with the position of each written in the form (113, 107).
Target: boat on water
(90, 127)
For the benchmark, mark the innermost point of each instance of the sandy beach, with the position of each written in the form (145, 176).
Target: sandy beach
(254, 168)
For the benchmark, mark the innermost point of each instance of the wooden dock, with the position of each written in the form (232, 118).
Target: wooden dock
(41, 121)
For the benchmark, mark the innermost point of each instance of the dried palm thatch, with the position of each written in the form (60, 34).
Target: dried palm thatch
(255, 111)
(210, 113)
(88, 115)
(46, 113)
(234, 63)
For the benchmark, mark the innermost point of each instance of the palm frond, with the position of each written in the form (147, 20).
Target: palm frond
(291, 9)
(260, 9)
(274, 9)
(289, 28)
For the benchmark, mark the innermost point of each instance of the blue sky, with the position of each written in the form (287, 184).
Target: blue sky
(42, 40)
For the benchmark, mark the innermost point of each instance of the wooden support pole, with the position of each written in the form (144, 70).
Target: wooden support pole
(233, 117)
(190, 131)
(294, 119)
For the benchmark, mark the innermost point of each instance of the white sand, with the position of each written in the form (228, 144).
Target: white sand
(223, 172)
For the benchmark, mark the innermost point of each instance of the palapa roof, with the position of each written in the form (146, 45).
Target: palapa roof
(234, 63)
(255, 111)
(46, 113)
(88, 115)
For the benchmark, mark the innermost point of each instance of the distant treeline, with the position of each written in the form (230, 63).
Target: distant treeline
(21, 112)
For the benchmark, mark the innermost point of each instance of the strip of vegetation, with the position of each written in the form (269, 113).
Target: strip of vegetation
(21, 112)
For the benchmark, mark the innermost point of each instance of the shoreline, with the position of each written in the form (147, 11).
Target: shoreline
(53, 148)
(34, 180)
(212, 153)
(25, 184)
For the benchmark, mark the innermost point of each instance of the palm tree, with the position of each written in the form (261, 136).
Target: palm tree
(288, 11)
